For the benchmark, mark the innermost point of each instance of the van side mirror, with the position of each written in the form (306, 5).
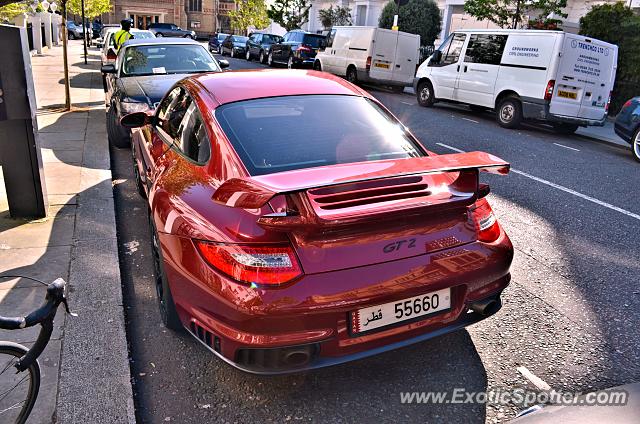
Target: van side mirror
(135, 120)
(109, 68)
(436, 57)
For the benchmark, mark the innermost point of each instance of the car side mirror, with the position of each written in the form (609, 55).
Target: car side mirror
(224, 63)
(109, 68)
(436, 57)
(135, 120)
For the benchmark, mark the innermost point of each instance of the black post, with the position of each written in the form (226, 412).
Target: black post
(516, 18)
(84, 32)
(65, 58)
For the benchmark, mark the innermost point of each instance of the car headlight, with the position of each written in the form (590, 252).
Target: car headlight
(131, 107)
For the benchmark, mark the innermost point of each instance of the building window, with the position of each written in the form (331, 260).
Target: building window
(195, 5)
(361, 15)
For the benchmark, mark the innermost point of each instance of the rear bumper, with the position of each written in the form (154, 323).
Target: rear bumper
(363, 75)
(538, 109)
(314, 312)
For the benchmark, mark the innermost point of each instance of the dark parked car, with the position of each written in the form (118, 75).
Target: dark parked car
(170, 30)
(234, 45)
(627, 125)
(146, 70)
(298, 48)
(258, 45)
(215, 42)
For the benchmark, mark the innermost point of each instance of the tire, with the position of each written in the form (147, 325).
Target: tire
(564, 128)
(317, 66)
(477, 109)
(270, 59)
(635, 144)
(290, 63)
(159, 35)
(352, 75)
(263, 58)
(166, 306)
(231, 53)
(117, 135)
(509, 112)
(136, 173)
(425, 94)
(10, 352)
(247, 55)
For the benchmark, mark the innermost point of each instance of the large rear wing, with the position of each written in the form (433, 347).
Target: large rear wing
(255, 192)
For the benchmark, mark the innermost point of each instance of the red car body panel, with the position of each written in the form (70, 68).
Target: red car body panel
(353, 257)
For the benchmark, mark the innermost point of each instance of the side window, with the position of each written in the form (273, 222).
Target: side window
(286, 37)
(331, 37)
(453, 53)
(193, 141)
(485, 48)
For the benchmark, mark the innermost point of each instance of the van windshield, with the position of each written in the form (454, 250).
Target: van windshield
(295, 132)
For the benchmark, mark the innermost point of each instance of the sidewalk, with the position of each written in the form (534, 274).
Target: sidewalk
(85, 368)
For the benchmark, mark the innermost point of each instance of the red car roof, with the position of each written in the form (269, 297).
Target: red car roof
(227, 87)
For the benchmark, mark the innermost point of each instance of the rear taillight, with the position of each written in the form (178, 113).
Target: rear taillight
(606, 107)
(625, 105)
(548, 92)
(368, 63)
(485, 221)
(304, 48)
(265, 264)
(111, 55)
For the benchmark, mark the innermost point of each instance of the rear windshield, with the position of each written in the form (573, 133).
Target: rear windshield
(285, 133)
(221, 37)
(312, 40)
(238, 39)
(268, 38)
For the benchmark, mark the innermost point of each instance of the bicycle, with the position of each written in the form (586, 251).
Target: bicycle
(13, 403)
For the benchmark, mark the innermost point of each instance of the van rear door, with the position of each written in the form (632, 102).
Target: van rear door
(407, 53)
(584, 79)
(383, 55)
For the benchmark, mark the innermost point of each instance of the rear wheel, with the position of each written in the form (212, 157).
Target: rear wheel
(290, 62)
(270, 59)
(163, 294)
(564, 128)
(233, 52)
(263, 58)
(247, 56)
(352, 75)
(19, 389)
(635, 144)
(509, 113)
(118, 136)
(317, 66)
(425, 94)
(136, 173)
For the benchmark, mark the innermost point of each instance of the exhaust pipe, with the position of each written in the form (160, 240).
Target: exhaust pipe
(486, 307)
(296, 357)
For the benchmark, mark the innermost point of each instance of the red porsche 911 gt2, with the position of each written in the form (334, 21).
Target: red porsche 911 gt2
(297, 224)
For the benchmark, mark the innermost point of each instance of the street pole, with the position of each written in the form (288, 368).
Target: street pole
(67, 94)
(84, 32)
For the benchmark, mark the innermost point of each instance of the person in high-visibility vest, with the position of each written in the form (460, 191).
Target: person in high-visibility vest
(123, 34)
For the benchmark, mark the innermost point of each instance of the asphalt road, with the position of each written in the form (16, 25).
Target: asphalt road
(570, 317)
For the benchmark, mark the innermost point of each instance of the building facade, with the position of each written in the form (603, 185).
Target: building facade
(205, 17)
(367, 12)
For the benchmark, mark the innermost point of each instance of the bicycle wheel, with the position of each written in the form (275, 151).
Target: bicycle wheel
(18, 391)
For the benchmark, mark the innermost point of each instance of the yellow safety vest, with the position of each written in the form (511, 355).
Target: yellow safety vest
(120, 37)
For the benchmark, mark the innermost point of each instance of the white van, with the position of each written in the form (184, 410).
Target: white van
(370, 54)
(564, 79)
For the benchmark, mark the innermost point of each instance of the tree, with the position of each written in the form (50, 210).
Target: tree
(509, 13)
(420, 17)
(617, 24)
(291, 14)
(249, 13)
(10, 11)
(92, 8)
(331, 17)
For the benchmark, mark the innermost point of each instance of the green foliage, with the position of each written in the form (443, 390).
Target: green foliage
(92, 8)
(10, 11)
(249, 13)
(291, 14)
(617, 24)
(332, 17)
(508, 13)
(420, 17)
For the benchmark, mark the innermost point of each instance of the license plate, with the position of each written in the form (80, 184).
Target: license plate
(567, 94)
(374, 317)
(381, 65)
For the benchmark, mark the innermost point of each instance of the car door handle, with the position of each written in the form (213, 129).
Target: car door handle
(458, 68)
(397, 66)
(465, 68)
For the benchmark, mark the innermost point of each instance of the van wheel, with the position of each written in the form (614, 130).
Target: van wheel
(425, 94)
(564, 128)
(635, 145)
(509, 113)
(317, 66)
(352, 75)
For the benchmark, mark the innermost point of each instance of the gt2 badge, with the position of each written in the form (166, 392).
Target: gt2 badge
(397, 245)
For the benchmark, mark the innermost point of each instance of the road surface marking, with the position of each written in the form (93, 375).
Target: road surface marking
(566, 147)
(562, 188)
(471, 120)
(534, 379)
(407, 103)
